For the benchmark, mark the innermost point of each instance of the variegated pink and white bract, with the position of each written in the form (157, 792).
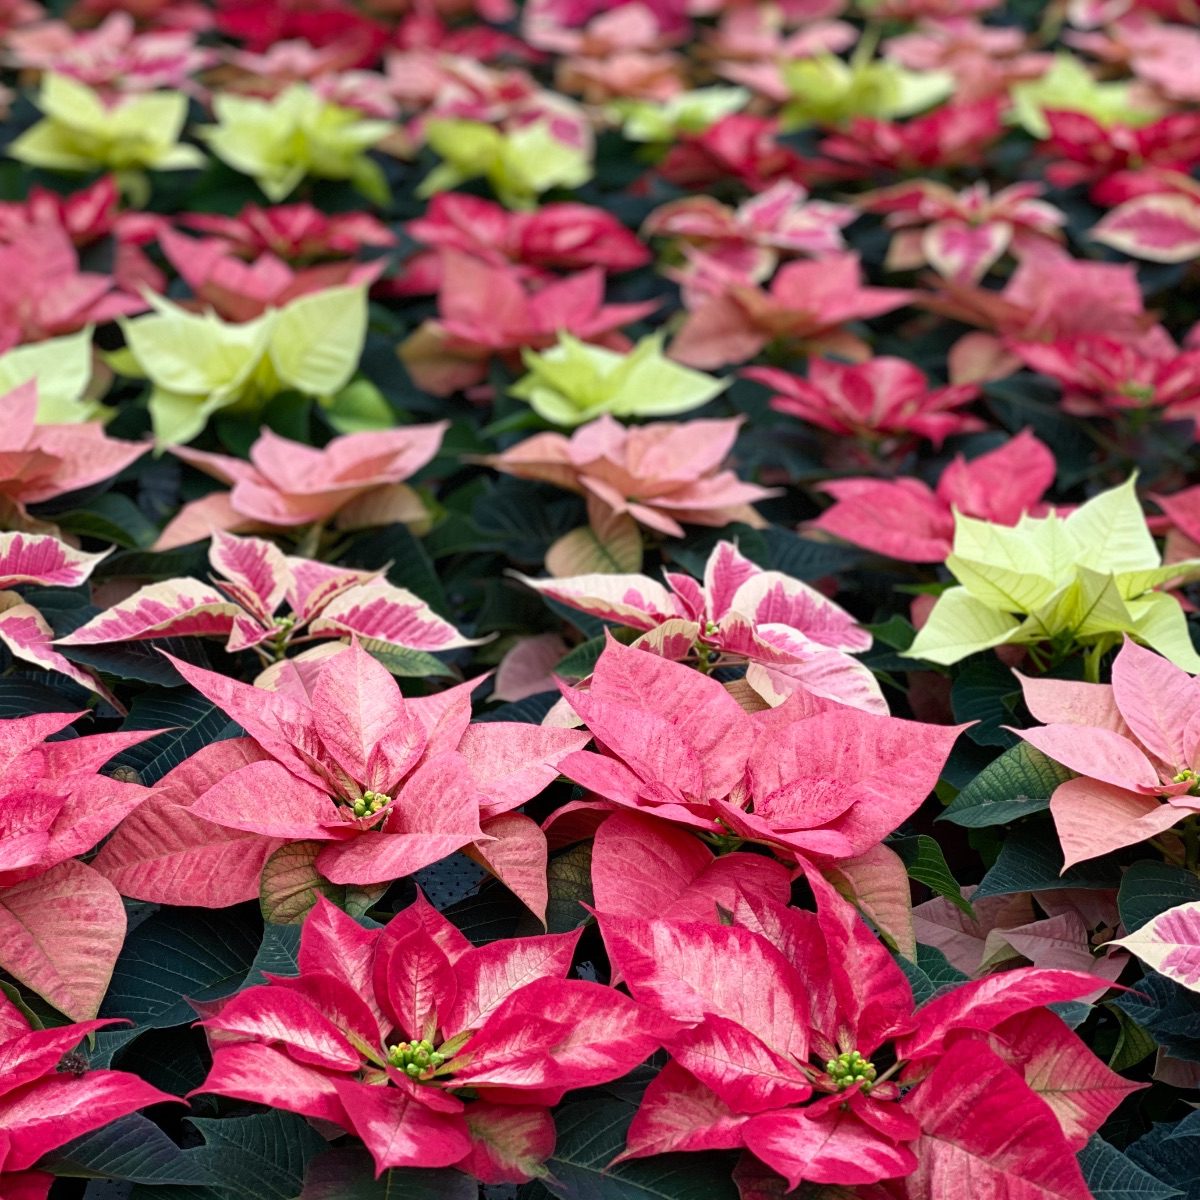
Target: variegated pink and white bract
(39, 560)
(253, 580)
(793, 637)
(334, 733)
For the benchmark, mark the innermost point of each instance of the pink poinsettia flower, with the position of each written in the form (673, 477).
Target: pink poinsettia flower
(751, 44)
(985, 60)
(783, 1023)
(43, 293)
(953, 135)
(962, 235)
(621, 53)
(39, 560)
(662, 474)
(376, 785)
(354, 481)
(88, 216)
(563, 236)
(486, 312)
(434, 1052)
(1083, 150)
(42, 462)
(1180, 522)
(883, 400)
(793, 637)
(1133, 745)
(812, 779)
(1159, 54)
(1101, 376)
(1049, 297)
(42, 1107)
(1070, 932)
(752, 237)
(63, 922)
(294, 232)
(253, 579)
(806, 302)
(113, 57)
(568, 26)
(262, 23)
(644, 867)
(910, 521)
(739, 146)
(240, 291)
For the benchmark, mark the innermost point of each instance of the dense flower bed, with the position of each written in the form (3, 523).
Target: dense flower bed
(596, 600)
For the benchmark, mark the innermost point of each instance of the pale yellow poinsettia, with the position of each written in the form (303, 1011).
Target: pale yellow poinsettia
(1069, 86)
(80, 132)
(62, 369)
(685, 112)
(295, 135)
(827, 90)
(199, 364)
(1085, 579)
(574, 382)
(519, 164)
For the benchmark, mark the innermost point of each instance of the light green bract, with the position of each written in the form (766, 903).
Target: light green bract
(62, 368)
(1069, 86)
(79, 132)
(295, 135)
(574, 382)
(827, 90)
(520, 164)
(686, 112)
(200, 364)
(1080, 580)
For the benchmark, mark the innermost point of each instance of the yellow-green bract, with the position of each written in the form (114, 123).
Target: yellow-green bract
(1068, 86)
(1083, 579)
(574, 382)
(79, 132)
(199, 363)
(827, 90)
(687, 112)
(62, 369)
(293, 135)
(519, 164)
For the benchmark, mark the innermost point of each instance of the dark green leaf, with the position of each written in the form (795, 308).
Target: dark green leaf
(403, 662)
(1019, 782)
(112, 517)
(1032, 861)
(181, 954)
(131, 1148)
(930, 974)
(260, 1157)
(582, 660)
(347, 1173)
(926, 863)
(1168, 1011)
(191, 722)
(986, 691)
(1111, 1176)
(591, 1134)
(1150, 888)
